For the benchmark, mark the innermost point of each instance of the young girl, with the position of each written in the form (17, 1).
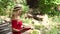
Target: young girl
(16, 22)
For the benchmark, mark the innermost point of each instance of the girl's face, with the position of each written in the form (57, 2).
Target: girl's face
(19, 12)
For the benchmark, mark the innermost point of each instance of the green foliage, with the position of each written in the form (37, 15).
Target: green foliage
(21, 2)
(52, 31)
(7, 5)
(35, 32)
(39, 27)
(25, 20)
(4, 4)
(25, 9)
(56, 19)
(48, 7)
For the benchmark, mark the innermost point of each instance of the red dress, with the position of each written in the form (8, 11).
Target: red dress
(16, 25)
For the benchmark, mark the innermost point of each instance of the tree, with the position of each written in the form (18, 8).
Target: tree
(44, 6)
(4, 4)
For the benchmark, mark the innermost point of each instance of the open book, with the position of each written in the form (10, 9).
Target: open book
(24, 29)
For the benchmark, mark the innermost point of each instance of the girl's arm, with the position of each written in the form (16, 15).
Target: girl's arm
(21, 30)
(15, 30)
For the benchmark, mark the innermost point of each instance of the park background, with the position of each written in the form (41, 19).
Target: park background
(42, 15)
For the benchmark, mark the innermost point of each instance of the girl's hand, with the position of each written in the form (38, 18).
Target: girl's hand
(24, 30)
(27, 27)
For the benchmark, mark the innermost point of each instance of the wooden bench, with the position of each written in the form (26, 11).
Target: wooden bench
(5, 28)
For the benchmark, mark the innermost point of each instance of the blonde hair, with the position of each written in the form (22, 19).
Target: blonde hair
(16, 8)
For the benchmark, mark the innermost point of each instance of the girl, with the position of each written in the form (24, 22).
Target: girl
(16, 22)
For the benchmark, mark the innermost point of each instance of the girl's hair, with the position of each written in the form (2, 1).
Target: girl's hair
(17, 7)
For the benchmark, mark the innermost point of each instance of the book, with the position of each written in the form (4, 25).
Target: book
(25, 29)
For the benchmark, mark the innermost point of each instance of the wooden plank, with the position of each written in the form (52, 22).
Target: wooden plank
(5, 28)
